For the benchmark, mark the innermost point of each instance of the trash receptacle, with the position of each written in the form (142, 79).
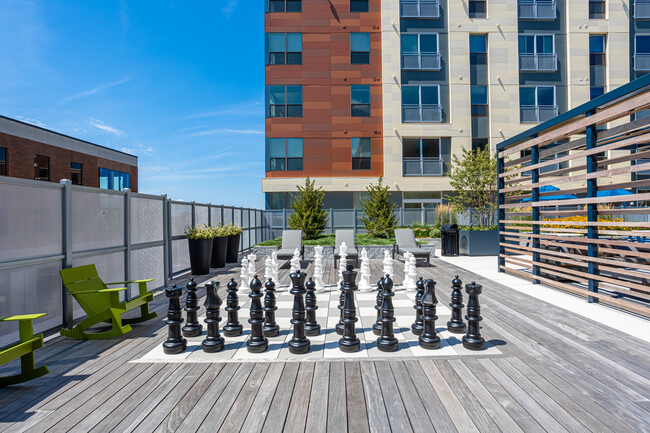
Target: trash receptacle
(449, 239)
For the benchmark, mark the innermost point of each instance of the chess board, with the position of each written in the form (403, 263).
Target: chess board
(325, 345)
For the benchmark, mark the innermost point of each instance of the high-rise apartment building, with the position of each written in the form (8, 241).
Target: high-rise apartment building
(357, 89)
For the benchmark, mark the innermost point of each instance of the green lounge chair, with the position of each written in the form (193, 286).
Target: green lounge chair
(103, 304)
(23, 349)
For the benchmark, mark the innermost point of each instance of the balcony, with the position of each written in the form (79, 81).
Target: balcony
(426, 166)
(537, 10)
(421, 113)
(642, 62)
(537, 113)
(420, 9)
(421, 61)
(641, 9)
(538, 62)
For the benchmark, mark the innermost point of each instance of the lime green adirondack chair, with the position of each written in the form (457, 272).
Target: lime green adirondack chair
(23, 349)
(103, 304)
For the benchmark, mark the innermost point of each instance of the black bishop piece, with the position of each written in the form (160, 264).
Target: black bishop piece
(418, 325)
(456, 324)
(214, 342)
(429, 339)
(387, 341)
(175, 343)
(232, 328)
(270, 328)
(192, 326)
(298, 343)
(312, 328)
(257, 343)
(473, 340)
(349, 342)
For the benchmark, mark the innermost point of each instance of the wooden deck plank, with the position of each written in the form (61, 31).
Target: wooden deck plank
(377, 413)
(317, 414)
(299, 406)
(356, 402)
(416, 411)
(277, 417)
(398, 418)
(240, 408)
(336, 402)
(254, 420)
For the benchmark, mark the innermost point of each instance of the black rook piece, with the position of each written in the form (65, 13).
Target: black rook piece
(214, 341)
(299, 343)
(192, 327)
(175, 343)
(257, 343)
(349, 342)
(387, 341)
(312, 328)
(232, 328)
(270, 328)
(339, 326)
(473, 340)
(376, 327)
(429, 339)
(456, 324)
(418, 325)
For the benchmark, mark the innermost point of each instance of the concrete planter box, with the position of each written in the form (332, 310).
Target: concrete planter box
(374, 251)
(478, 243)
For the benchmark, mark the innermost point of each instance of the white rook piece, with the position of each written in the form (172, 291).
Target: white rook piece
(343, 259)
(364, 283)
(295, 261)
(413, 273)
(244, 277)
(318, 269)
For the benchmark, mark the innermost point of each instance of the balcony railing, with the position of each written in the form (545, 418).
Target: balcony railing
(537, 10)
(537, 113)
(641, 9)
(420, 9)
(642, 62)
(425, 166)
(421, 61)
(540, 62)
(421, 113)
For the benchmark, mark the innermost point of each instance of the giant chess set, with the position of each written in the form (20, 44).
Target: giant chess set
(310, 320)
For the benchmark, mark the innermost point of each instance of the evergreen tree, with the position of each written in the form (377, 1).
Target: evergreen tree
(378, 212)
(308, 214)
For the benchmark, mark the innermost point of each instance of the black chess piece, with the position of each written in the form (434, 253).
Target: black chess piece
(257, 342)
(429, 339)
(472, 340)
(376, 327)
(192, 326)
(387, 341)
(418, 325)
(270, 328)
(175, 343)
(312, 328)
(456, 324)
(232, 328)
(214, 342)
(339, 326)
(298, 343)
(349, 342)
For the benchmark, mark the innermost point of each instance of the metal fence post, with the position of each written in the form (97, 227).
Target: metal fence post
(127, 241)
(210, 214)
(534, 159)
(591, 138)
(193, 213)
(354, 217)
(167, 251)
(66, 236)
(401, 216)
(422, 215)
(332, 220)
(501, 212)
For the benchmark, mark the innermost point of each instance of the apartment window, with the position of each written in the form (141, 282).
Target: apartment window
(478, 49)
(420, 8)
(422, 157)
(479, 144)
(41, 167)
(596, 9)
(642, 53)
(358, 5)
(285, 154)
(537, 103)
(360, 101)
(359, 48)
(596, 91)
(479, 99)
(284, 101)
(537, 53)
(285, 5)
(284, 49)
(113, 179)
(3, 161)
(361, 153)
(421, 104)
(597, 50)
(477, 8)
(420, 51)
(75, 173)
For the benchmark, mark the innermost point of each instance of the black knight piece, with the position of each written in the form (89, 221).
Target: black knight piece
(376, 327)
(192, 326)
(312, 328)
(270, 328)
(387, 341)
(257, 343)
(232, 328)
(214, 342)
(456, 324)
(473, 340)
(418, 325)
(299, 343)
(349, 342)
(175, 343)
(429, 339)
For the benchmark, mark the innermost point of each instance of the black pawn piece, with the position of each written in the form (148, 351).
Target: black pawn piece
(175, 343)
(312, 328)
(429, 339)
(376, 327)
(387, 341)
(456, 324)
(349, 342)
(473, 340)
(192, 327)
(257, 343)
(418, 325)
(299, 343)
(214, 341)
(232, 328)
(340, 326)
(270, 328)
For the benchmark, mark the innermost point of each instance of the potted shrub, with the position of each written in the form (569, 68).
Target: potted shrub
(219, 246)
(200, 244)
(232, 250)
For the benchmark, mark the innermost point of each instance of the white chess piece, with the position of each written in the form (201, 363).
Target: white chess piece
(406, 282)
(364, 283)
(413, 273)
(251, 267)
(276, 266)
(364, 253)
(388, 263)
(268, 268)
(343, 260)
(295, 261)
(243, 276)
(318, 269)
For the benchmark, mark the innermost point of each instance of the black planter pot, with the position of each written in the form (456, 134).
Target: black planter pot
(219, 247)
(233, 248)
(200, 253)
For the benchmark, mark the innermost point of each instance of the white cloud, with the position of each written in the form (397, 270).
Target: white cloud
(98, 89)
(106, 128)
(252, 108)
(227, 131)
(139, 150)
(229, 8)
(31, 121)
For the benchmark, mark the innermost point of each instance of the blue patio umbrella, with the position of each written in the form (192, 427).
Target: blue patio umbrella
(549, 188)
(613, 193)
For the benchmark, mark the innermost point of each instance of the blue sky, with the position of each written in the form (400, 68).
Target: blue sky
(178, 83)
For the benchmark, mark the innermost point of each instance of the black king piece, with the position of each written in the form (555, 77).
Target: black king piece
(429, 339)
(214, 342)
(232, 328)
(387, 341)
(473, 340)
(418, 325)
(192, 326)
(270, 328)
(299, 343)
(312, 328)
(456, 324)
(257, 343)
(175, 343)
(349, 342)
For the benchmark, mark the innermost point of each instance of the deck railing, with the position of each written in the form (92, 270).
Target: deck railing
(537, 10)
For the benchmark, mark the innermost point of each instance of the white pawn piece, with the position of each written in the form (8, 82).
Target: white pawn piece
(268, 268)
(251, 267)
(318, 269)
(276, 266)
(364, 283)
(343, 259)
(388, 263)
(244, 277)
(295, 261)
(413, 273)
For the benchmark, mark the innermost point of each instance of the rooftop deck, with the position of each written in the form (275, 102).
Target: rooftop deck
(554, 371)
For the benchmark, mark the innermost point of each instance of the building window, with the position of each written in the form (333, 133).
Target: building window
(360, 101)
(284, 101)
(421, 104)
(421, 157)
(420, 8)
(596, 9)
(479, 99)
(420, 51)
(359, 48)
(284, 49)
(479, 144)
(3, 161)
(285, 154)
(284, 6)
(537, 53)
(596, 50)
(358, 5)
(536, 9)
(537, 103)
(113, 179)
(75, 173)
(642, 53)
(478, 49)
(596, 91)
(477, 8)
(361, 154)
(41, 167)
